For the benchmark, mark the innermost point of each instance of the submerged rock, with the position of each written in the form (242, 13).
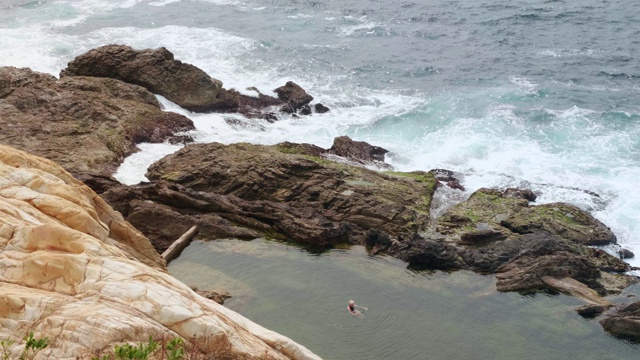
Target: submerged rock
(86, 124)
(73, 270)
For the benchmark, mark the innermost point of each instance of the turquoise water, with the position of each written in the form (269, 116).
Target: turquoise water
(410, 315)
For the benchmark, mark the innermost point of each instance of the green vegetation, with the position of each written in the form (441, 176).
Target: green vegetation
(175, 349)
(32, 346)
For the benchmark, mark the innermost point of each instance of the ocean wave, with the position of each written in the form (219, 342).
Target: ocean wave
(162, 2)
(618, 75)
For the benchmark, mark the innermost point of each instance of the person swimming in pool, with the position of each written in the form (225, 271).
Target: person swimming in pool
(352, 308)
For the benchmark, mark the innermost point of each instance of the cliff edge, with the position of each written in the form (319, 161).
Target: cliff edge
(73, 270)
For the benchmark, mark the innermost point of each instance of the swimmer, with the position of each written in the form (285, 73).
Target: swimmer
(352, 308)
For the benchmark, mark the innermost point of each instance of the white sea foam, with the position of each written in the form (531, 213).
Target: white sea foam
(132, 171)
(163, 2)
(525, 84)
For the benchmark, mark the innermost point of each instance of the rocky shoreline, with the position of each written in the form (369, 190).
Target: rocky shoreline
(103, 104)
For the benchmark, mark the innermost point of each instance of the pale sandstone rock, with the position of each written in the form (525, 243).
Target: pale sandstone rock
(73, 270)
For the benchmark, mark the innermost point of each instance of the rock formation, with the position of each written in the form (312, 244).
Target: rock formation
(247, 191)
(153, 69)
(184, 84)
(86, 124)
(291, 192)
(73, 270)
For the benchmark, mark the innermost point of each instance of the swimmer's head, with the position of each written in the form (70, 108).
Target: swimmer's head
(351, 302)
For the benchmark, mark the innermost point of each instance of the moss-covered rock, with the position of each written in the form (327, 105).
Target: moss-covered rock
(512, 216)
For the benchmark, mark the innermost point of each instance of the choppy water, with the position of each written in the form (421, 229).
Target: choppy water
(542, 94)
(410, 315)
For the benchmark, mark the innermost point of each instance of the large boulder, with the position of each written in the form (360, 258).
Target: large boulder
(153, 69)
(186, 85)
(279, 191)
(85, 124)
(292, 94)
(73, 270)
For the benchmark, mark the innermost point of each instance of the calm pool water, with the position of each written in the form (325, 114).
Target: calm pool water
(411, 315)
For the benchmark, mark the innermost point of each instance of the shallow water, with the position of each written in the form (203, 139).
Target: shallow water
(411, 315)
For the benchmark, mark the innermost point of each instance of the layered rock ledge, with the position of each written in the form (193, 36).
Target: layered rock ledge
(86, 124)
(73, 270)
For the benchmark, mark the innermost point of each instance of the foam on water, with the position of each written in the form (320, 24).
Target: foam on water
(133, 170)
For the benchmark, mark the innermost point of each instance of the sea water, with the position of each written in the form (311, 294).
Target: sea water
(538, 94)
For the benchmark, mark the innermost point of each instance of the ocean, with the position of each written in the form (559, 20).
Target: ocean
(538, 94)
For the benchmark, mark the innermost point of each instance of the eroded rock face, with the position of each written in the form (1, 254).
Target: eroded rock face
(73, 270)
(153, 69)
(85, 124)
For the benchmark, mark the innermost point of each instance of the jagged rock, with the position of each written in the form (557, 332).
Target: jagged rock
(218, 296)
(73, 270)
(448, 178)
(526, 272)
(251, 107)
(428, 254)
(481, 237)
(358, 151)
(186, 85)
(287, 191)
(377, 241)
(292, 94)
(520, 193)
(320, 108)
(626, 254)
(85, 124)
(625, 323)
(153, 69)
